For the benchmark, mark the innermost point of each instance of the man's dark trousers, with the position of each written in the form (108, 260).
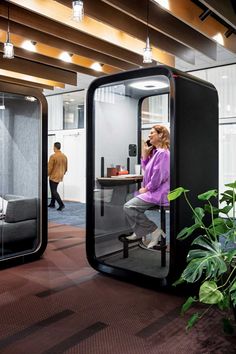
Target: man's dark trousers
(54, 194)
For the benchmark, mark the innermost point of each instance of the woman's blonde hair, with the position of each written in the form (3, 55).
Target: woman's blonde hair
(165, 139)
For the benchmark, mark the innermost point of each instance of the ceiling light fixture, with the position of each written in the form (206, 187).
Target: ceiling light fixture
(97, 66)
(29, 45)
(163, 3)
(8, 50)
(77, 10)
(2, 106)
(204, 14)
(147, 52)
(65, 56)
(219, 38)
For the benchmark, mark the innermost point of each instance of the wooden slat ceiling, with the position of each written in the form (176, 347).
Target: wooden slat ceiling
(113, 33)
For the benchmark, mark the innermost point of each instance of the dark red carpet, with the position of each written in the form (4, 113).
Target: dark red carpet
(59, 304)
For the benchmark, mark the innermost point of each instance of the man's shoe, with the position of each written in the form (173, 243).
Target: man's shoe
(61, 208)
(51, 206)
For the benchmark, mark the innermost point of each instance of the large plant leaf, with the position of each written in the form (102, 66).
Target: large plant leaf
(207, 195)
(218, 227)
(193, 320)
(188, 303)
(226, 209)
(210, 210)
(228, 196)
(198, 214)
(208, 260)
(225, 303)
(230, 254)
(232, 292)
(231, 235)
(176, 193)
(205, 243)
(231, 185)
(209, 293)
(187, 231)
(179, 281)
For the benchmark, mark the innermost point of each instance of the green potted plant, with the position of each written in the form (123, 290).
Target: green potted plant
(211, 260)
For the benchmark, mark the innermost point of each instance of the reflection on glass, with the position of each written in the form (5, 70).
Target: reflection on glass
(121, 127)
(20, 174)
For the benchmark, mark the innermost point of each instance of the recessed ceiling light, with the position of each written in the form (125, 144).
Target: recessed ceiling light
(65, 56)
(97, 66)
(149, 85)
(219, 38)
(224, 76)
(163, 3)
(29, 45)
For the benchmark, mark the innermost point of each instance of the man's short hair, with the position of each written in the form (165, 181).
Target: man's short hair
(57, 145)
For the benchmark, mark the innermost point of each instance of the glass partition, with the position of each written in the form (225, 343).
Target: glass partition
(125, 112)
(20, 174)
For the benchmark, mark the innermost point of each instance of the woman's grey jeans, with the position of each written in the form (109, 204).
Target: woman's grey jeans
(134, 210)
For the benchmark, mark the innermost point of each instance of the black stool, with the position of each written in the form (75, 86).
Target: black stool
(161, 246)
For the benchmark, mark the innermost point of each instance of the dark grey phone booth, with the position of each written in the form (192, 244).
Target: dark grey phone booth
(23, 174)
(121, 109)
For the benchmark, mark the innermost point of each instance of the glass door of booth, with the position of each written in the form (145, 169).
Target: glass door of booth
(124, 114)
(20, 174)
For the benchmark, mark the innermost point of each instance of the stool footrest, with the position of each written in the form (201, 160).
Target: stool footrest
(123, 238)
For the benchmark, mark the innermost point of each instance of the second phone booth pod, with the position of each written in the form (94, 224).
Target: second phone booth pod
(121, 110)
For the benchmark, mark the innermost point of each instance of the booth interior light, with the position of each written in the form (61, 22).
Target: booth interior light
(149, 85)
(30, 98)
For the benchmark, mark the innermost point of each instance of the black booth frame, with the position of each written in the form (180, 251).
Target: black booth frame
(22, 258)
(184, 171)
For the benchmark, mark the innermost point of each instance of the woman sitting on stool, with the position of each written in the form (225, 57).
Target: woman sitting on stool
(155, 187)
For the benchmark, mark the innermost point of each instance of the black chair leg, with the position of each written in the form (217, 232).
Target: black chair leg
(163, 240)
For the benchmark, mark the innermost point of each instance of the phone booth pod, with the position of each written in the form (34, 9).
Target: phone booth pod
(121, 110)
(23, 174)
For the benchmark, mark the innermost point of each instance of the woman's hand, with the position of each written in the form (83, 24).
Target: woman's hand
(146, 150)
(142, 190)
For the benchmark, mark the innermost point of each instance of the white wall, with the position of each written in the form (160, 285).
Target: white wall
(73, 146)
(115, 129)
(224, 79)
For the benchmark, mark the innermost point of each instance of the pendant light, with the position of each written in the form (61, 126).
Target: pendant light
(8, 50)
(147, 52)
(77, 10)
(2, 106)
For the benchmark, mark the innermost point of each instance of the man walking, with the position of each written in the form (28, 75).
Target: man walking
(57, 167)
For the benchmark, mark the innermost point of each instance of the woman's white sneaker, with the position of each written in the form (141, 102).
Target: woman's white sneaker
(156, 235)
(132, 237)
